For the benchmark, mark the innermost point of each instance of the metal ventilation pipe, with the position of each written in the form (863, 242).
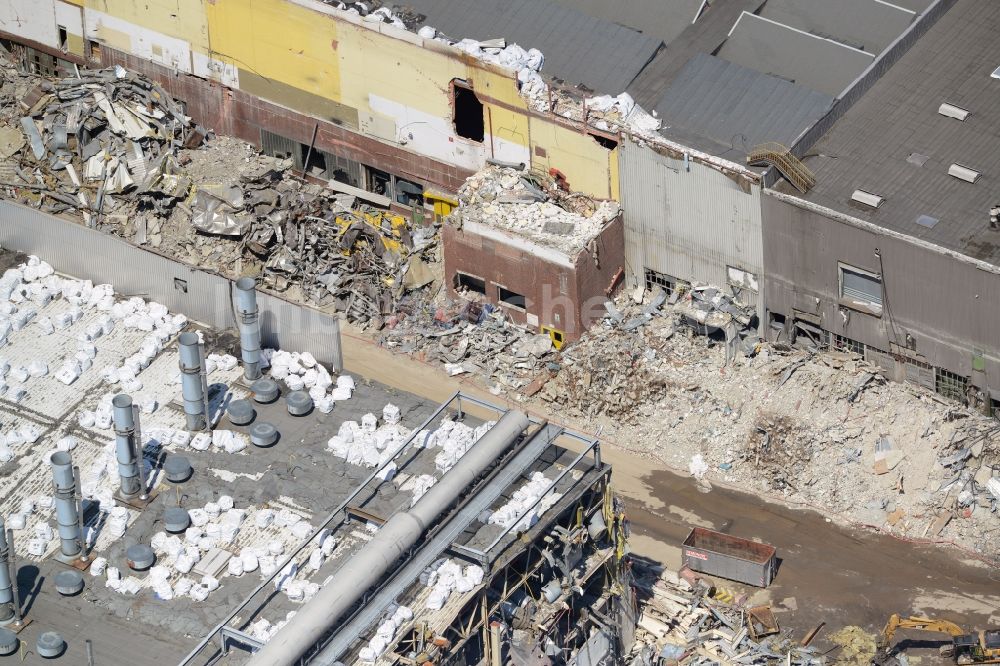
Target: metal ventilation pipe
(126, 445)
(248, 320)
(66, 507)
(378, 556)
(6, 586)
(192, 386)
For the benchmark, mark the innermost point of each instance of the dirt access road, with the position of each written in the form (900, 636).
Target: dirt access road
(829, 573)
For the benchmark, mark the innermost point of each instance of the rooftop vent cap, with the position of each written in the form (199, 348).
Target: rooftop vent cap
(867, 198)
(953, 111)
(963, 173)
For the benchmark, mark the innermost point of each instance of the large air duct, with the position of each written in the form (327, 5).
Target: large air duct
(367, 567)
(248, 320)
(6, 587)
(192, 386)
(67, 509)
(127, 446)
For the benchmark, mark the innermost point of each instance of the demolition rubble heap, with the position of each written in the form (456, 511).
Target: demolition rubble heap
(681, 623)
(534, 206)
(813, 426)
(115, 148)
(94, 136)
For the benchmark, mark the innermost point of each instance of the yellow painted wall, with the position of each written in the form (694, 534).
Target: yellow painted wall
(348, 64)
(181, 19)
(277, 40)
(585, 163)
(376, 64)
(507, 125)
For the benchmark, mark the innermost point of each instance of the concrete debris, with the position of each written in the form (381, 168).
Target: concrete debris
(537, 206)
(93, 137)
(471, 337)
(682, 623)
(113, 147)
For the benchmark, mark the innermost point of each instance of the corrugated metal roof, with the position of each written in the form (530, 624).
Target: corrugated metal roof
(869, 147)
(578, 48)
(774, 48)
(736, 107)
(864, 24)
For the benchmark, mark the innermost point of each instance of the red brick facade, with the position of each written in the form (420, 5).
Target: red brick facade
(568, 298)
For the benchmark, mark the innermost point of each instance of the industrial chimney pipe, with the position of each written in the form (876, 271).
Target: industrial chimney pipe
(248, 320)
(71, 542)
(398, 535)
(126, 446)
(6, 586)
(192, 386)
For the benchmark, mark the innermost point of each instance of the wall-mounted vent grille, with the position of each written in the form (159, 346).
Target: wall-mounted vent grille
(963, 173)
(952, 111)
(867, 198)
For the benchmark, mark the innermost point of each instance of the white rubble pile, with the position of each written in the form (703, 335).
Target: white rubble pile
(301, 371)
(501, 197)
(369, 444)
(447, 576)
(525, 507)
(621, 111)
(396, 618)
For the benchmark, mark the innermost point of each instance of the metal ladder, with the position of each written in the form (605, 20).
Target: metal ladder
(781, 158)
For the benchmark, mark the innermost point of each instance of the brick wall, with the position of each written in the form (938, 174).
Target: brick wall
(565, 297)
(236, 113)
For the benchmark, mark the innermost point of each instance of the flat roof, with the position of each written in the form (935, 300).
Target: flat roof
(895, 144)
(726, 109)
(788, 61)
(300, 481)
(579, 48)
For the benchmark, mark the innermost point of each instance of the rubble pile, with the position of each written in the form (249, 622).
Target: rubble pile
(681, 623)
(471, 337)
(112, 146)
(814, 426)
(88, 139)
(533, 205)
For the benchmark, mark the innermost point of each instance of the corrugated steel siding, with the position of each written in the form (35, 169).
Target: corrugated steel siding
(87, 254)
(943, 302)
(687, 224)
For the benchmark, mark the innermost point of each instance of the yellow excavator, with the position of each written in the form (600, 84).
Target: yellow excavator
(981, 647)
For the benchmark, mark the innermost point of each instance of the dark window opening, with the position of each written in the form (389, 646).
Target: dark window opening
(468, 118)
(470, 283)
(950, 385)
(342, 169)
(313, 162)
(63, 38)
(94, 47)
(610, 144)
(667, 283)
(378, 182)
(409, 194)
(510, 298)
(841, 343)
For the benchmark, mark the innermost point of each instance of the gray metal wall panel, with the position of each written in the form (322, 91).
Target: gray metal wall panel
(946, 302)
(87, 254)
(688, 224)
